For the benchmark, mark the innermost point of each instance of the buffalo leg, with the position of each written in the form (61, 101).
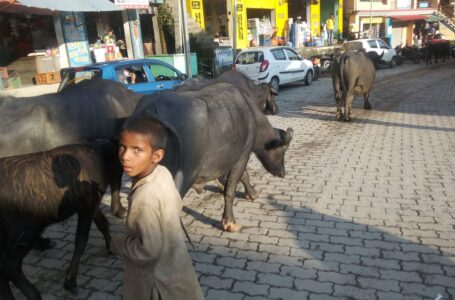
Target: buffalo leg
(366, 104)
(337, 91)
(103, 225)
(116, 183)
(250, 192)
(5, 289)
(84, 223)
(234, 175)
(348, 106)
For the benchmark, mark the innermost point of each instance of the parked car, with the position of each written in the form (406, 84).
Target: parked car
(373, 45)
(274, 65)
(143, 76)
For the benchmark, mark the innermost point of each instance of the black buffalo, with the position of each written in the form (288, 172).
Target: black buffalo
(213, 131)
(353, 73)
(261, 95)
(43, 188)
(87, 111)
(439, 49)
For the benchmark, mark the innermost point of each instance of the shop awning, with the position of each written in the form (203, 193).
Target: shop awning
(133, 4)
(71, 5)
(409, 17)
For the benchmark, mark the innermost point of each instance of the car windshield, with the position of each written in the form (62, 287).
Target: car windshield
(351, 46)
(74, 76)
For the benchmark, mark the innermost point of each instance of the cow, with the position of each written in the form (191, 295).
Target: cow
(353, 73)
(262, 95)
(44, 188)
(438, 48)
(90, 110)
(213, 131)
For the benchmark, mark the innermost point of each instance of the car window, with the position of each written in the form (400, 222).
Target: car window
(131, 74)
(351, 46)
(278, 54)
(74, 76)
(372, 44)
(247, 58)
(292, 55)
(382, 45)
(161, 72)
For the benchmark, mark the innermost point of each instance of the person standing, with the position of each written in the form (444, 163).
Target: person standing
(330, 25)
(157, 263)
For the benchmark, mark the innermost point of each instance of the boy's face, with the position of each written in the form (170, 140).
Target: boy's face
(136, 154)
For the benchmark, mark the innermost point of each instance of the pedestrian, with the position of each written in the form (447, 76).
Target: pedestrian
(109, 37)
(330, 25)
(156, 259)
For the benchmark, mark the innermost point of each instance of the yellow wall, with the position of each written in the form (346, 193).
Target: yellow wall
(281, 16)
(196, 9)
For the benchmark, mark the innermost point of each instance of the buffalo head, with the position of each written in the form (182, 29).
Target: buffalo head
(272, 156)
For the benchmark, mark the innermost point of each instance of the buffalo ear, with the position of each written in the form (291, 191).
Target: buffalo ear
(273, 144)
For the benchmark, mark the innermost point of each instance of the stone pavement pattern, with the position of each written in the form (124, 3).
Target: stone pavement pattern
(366, 210)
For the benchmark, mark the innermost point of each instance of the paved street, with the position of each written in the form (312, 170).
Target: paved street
(366, 210)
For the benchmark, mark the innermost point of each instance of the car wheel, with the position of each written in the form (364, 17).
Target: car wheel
(274, 84)
(393, 62)
(309, 77)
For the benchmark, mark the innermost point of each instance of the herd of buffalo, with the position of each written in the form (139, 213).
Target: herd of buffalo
(58, 152)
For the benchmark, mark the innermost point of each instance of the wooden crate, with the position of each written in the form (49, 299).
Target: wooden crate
(47, 78)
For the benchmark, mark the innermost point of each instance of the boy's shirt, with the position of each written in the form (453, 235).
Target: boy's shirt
(156, 256)
(330, 24)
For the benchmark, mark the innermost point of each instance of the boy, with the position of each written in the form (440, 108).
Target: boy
(330, 26)
(157, 263)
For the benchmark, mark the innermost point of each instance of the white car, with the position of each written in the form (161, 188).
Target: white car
(373, 45)
(274, 65)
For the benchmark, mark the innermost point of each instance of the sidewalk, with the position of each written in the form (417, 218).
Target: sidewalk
(30, 91)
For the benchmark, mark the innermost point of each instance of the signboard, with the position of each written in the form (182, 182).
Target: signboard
(404, 4)
(134, 4)
(73, 26)
(196, 4)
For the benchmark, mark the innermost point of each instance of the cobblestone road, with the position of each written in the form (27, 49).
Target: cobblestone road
(366, 210)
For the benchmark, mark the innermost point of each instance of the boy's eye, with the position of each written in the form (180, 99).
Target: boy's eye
(137, 149)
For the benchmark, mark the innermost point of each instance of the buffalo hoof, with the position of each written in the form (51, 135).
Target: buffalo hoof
(44, 244)
(121, 212)
(367, 106)
(252, 195)
(71, 286)
(339, 116)
(231, 226)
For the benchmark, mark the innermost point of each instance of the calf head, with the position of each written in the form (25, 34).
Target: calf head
(272, 156)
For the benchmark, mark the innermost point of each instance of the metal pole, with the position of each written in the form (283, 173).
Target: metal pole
(186, 39)
(234, 32)
(371, 12)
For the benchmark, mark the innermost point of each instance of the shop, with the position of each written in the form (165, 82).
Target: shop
(259, 22)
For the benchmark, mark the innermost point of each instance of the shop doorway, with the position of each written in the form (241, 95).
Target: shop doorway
(261, 26)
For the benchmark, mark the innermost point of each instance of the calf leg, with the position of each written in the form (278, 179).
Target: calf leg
(84, 223)
(103, 225)
(116, 183)
(234, 175)
(366, 104)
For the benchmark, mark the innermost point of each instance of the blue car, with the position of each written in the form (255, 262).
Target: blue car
(143, 76)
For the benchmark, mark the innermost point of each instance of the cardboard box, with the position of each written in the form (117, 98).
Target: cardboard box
(47, 78)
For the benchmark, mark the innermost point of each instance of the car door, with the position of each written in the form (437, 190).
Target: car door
(373, 46)
(162, 77)
(296, 67)
(134, 76)
(280, 64)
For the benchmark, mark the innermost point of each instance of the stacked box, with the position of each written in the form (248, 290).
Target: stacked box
(47, 78)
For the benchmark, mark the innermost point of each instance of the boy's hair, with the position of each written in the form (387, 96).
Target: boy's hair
(149, 126)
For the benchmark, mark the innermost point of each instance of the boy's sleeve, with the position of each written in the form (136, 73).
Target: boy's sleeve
(143, 246)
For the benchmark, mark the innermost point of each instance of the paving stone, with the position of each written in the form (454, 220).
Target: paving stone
(223, 295)
(313, 286)
(250, 288)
